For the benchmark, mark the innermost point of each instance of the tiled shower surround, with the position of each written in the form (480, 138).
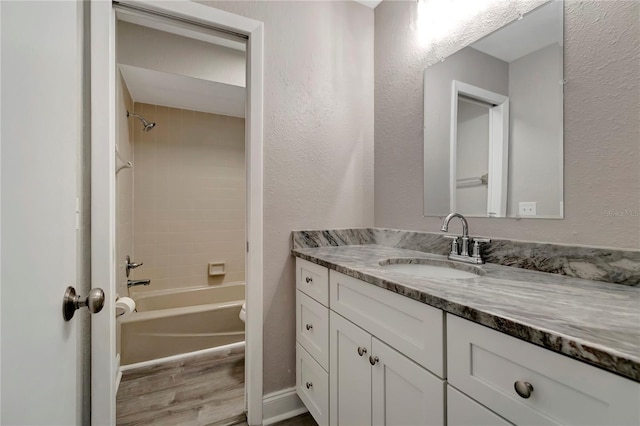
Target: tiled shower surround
(592, 263)
(189, 197)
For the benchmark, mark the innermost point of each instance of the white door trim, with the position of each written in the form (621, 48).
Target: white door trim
(103, 327)
(498, 146)
(103, 192)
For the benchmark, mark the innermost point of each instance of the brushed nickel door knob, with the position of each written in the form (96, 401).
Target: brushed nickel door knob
(72, 302)
(524, 389)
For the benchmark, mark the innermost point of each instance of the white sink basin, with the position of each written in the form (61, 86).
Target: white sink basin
(431, 268)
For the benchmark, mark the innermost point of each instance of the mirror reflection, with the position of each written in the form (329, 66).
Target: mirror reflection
(493, 125)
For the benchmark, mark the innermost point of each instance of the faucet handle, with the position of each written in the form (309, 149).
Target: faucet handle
(482, 240)
(454, 243)
(129, 265)
(476, 246)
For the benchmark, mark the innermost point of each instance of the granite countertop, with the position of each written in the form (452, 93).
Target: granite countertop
(595, 322)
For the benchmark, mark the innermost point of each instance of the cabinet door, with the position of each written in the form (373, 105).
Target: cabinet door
(403, 392)
(463, 411)
(350, 378)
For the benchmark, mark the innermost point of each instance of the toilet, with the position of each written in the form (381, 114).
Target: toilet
(243, 312)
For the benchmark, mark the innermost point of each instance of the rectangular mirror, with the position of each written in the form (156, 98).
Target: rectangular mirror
(493, 123)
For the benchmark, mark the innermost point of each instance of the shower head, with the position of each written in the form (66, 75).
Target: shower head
(146, 125)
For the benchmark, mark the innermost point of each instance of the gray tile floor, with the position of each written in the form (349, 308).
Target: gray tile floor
(203, 390)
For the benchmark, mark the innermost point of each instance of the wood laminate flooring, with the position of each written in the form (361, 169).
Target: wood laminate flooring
(201, 390)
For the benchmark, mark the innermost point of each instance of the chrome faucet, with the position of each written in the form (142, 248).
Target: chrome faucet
(465, 231)
(133, 283)
(463, 255)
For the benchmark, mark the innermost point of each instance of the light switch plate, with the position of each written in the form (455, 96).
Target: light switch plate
(527, 208)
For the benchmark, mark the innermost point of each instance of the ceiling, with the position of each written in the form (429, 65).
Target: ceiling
(369, 3)
(179, 91)
(539, 28)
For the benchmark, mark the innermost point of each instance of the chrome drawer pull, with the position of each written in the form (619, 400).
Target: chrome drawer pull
(373, 360)
(309, 280)
(309, 385)
(361, 350)
(308, 326)
(524, 389)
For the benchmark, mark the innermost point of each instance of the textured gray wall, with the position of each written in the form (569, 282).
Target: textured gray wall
(536, 129)
(602, 122)
(318, 144)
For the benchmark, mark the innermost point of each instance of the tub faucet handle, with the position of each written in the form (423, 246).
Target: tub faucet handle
(131, 265)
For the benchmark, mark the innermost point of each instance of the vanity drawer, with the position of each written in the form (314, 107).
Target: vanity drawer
(312, 328)
(312, 385)
(410, 327)
(486, 364)
(313, 280)
(464, 411)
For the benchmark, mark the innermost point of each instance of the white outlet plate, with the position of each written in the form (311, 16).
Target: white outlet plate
(527, 208)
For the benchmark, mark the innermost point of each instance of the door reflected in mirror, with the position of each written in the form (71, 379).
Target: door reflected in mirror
(493, 123)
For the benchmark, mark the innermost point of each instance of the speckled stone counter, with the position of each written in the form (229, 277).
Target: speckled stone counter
(595, 322)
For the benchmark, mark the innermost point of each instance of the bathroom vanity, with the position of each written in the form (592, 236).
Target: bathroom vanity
(378, 345)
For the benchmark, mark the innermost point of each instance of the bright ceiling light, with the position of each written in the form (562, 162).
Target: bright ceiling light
(438, 18)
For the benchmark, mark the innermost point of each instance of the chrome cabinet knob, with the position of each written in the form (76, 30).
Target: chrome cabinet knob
(309, 280)
(308, 326)
(309, 385)
(524, 389)
(72, 302)
(361, 350)
(373, 360)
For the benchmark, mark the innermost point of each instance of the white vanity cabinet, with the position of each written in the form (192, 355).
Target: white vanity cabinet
(371, 383)
(552, 389)
(463, 411)
(369, 356)
(312, 338)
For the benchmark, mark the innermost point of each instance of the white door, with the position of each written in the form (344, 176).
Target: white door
(404, 393)
(350, 378)
(40, 136)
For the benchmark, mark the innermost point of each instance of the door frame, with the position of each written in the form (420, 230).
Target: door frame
(103, 109)
(498, 166)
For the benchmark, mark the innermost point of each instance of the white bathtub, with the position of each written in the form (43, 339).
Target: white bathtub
(171, 322)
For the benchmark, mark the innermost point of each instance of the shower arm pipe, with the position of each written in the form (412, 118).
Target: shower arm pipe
(146, 125)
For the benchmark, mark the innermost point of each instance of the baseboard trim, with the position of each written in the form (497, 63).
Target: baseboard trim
(281, 405)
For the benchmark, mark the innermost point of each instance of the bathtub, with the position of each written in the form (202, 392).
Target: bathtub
(172, 322)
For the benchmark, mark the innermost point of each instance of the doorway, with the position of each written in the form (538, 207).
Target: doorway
(191, 21)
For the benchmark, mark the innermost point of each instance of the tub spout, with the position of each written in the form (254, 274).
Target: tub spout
(133, 283)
